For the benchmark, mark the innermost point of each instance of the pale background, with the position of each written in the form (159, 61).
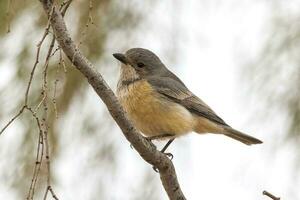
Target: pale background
(217, 48)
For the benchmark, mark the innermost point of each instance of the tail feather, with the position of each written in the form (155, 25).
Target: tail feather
(242, 137)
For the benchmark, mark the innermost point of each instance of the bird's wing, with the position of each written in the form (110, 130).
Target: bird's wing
(176, 91)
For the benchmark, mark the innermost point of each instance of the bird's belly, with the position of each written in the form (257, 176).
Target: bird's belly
(151, 113)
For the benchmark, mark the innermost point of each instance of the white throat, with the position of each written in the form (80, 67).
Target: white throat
(128, 73)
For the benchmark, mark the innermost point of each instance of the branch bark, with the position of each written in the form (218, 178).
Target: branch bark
(145, 148)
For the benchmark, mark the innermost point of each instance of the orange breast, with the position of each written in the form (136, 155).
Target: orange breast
(151, 113)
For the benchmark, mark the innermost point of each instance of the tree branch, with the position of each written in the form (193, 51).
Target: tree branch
(270, 195)
(144, 147)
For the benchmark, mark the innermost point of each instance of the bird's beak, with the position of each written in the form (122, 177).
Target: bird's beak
(121, 57)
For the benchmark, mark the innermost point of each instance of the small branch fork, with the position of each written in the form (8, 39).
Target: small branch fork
(144, 147)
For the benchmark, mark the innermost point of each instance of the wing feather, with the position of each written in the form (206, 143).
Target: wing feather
(173, 89)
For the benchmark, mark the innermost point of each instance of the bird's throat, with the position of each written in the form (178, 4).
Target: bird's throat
(128, 75)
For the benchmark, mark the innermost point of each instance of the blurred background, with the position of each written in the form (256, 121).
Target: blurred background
(241, 57)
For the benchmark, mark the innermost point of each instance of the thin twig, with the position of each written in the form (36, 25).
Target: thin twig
(8, 15)
(12, 119)
(45, 115)
(55, 87)
(43, 144)
(87, 24)
(270, 195)
(90, 12)
(40, 147)
(62, 61)
(52, 193)
(54, 98)
(46, 193)
(39, 156)
(40, 103)
(63, 9)
(54, 52)
(46, 32)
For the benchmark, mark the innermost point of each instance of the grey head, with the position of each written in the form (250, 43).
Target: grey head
(139, 63)
(144, 62)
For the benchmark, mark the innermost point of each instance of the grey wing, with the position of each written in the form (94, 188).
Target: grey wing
(176, 91)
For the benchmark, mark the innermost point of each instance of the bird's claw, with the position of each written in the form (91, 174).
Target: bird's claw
(155, 169)
(169, 155)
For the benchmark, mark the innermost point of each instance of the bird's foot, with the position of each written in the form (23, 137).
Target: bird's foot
(164, 136)
(155, 169)
(169, 155)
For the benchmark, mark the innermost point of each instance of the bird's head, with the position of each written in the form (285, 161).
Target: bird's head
(140, 62)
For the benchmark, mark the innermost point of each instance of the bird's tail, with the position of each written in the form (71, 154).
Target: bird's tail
(242, 137)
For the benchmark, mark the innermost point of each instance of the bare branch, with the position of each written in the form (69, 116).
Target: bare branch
(52, 193)
(12, 119)
(45, 114)
(144, 147)
(270, 195)
(8, 15)
(46, 32)
(39, 156)
(87, 24)
(42, 124)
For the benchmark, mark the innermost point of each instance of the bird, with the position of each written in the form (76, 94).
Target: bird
(160, 105)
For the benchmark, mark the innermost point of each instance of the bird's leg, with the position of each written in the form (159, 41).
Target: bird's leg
(165, 148)
(163, 136)
(167, 145)
(167, 154)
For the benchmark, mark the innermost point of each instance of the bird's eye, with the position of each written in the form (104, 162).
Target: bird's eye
(140, 65)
